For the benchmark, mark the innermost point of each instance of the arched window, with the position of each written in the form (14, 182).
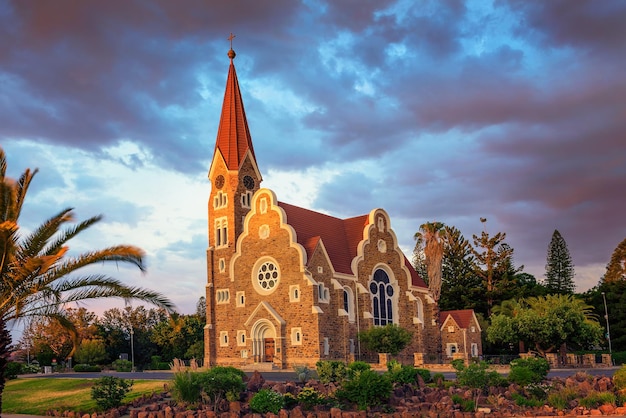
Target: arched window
(420, 312)
(348, 303)
(382, 298)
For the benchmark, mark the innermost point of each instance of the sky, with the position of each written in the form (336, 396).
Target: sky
(447, 111)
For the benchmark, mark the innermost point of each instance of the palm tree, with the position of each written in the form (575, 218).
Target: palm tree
(36, 275)
(429, 235)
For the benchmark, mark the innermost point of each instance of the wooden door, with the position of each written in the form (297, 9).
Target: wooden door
(269, 349)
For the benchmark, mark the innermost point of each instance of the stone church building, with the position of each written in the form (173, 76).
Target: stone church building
(290, 286)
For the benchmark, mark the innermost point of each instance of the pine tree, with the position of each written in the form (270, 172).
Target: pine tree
(559, 267)
(616, 269)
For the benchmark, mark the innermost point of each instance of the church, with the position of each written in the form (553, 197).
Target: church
(290, 286)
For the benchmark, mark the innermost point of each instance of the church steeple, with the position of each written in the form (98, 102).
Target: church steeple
(233, 135)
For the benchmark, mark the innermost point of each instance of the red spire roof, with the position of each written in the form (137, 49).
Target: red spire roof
(233, 135)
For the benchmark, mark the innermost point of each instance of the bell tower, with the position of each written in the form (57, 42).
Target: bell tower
(234, 177)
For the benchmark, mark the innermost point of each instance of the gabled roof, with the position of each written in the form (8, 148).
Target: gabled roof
(341, 237)
(462, 317)
(233, 135)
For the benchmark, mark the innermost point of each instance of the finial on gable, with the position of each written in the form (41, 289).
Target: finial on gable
(231, 53)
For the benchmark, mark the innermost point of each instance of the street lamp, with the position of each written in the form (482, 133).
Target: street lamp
(606, 316)
(132, 350)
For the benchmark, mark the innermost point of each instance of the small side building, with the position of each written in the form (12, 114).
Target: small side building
(460, 334)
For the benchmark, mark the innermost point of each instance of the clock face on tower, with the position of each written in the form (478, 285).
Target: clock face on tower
(248, 182)
(219, 181)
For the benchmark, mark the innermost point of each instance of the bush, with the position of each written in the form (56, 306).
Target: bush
(595, 399)
(12, 370)
(561, 398)
(476, 376)
(388, 339)
(619, 378)
(267, 400)
(520, 400)
(303, 373)
(109, 391)
(407, 374)
(467, 405)
(309, 397)
(220, 381)
(86, 368)
(366, 389)
(331, 371)
(529, 370)
(186, 387)
(122, 365)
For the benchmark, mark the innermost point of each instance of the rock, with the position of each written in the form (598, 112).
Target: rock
(256, 382)
(607, 409)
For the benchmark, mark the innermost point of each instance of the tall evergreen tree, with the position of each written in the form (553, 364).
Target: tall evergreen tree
(461, 288)
(616, 269)
(559, 267)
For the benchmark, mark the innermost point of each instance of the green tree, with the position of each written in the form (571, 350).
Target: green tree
(388, 339)
(176, 335)
(559, 267)
(461, 288)
(494, 265)
(615, 295)
(91, 352)
(547, 323)
(616, 269)
(38, 278)
(115, 328)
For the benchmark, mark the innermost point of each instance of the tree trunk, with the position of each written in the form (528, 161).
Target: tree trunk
(5, 342)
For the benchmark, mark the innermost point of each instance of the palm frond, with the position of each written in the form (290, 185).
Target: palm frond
(70, 233)
(22, 188)
(33, 244)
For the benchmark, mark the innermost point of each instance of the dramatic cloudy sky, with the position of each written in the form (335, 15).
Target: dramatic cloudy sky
(510, 110)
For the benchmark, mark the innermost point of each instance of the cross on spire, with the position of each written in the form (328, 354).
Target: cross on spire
(230, 38)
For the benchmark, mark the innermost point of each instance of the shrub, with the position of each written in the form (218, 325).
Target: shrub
(439, 379)
(309, 397)
(12, 370)
(109, 391)
(122, 365)
(331, 371)
(467, 405)
(186, 387)
(529, 370)
(407, 374)
(595, 399)
(388, 339)
(521, 400)
(619, 378)
(476, 376)
(220, 380)
(366, 389)
(266, 400)
(303, 373)
(86, 368)
(561, 398)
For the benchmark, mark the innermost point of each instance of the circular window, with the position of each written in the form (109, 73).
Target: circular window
(267, 277)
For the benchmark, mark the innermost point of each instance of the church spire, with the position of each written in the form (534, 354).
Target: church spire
(233, 135)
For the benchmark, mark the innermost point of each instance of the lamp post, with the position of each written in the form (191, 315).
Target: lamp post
(132, 350)
(606, 317)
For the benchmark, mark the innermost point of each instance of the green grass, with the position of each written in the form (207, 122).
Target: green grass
(38, 395)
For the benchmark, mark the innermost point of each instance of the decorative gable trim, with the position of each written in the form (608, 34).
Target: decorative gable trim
(273, 206)
(269, 309)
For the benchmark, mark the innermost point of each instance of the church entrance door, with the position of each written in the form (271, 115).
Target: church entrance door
(269, 349)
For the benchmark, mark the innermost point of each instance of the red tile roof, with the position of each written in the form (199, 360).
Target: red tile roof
(341, 237)
(233, 135)
(462, 317)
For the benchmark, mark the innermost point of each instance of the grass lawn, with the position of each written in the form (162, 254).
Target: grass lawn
(38, 395)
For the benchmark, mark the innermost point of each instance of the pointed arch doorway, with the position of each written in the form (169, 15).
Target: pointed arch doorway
(263, 341)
